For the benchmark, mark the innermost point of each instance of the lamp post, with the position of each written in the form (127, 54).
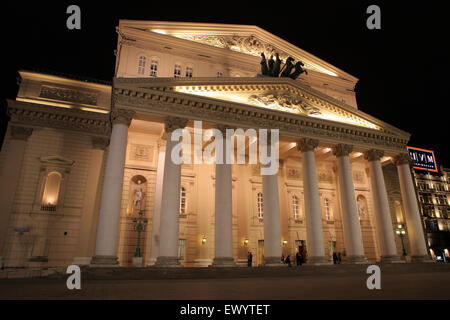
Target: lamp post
(139, 226)
(400, 231)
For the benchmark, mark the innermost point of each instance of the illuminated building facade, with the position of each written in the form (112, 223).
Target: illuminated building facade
(80, 157)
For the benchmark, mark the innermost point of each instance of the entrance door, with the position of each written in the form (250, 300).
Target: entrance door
(300, 245)
(260, 252)
(332, 247)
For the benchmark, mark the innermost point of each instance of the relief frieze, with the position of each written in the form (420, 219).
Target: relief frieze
(70, 95)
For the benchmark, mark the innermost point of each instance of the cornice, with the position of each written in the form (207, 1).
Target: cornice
(169, 103)
(230, 84)
(38, 115)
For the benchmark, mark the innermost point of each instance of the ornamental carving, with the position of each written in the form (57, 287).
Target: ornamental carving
(402, 158)
(173, 123)
(373, 155)
(21, 133)
(141, 152)
(325, 176)
(283, 102)
(293, 173)
(121, 116)
(305, 144)
(341, 150)
(70, 95)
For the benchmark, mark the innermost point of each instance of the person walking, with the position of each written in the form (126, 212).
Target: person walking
(288, 261)
(249, 259)
(335, 258)
(339, 258)
(298, 258)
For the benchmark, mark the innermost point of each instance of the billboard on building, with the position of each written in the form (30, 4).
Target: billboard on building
(423, 159)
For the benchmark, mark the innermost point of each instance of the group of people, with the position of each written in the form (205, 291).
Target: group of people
(336, 258)
(299, 259)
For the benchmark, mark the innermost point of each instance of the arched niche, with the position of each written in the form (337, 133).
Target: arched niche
(137, 194)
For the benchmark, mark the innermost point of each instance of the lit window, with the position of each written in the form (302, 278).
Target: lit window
(260, 206)
(141, 65)
(183, 201)
(154, 68)
(51, 191)
(177, 71)
(326, 205)
(295, 208)
(189, 71)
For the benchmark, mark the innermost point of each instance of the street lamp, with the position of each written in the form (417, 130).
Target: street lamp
(139, 226)
(400, 231)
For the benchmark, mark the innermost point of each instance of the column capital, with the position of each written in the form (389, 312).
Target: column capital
(223, 128)
(99, 143)
(373, 155)
(173, 123)
(341, 150)
(402, 158)
(122, 116)
(21, 133)
(306, 144)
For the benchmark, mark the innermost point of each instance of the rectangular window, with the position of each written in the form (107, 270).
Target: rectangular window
(219, 74)
(260, 206)
(189, 71)
(177, 71)
(154, 68)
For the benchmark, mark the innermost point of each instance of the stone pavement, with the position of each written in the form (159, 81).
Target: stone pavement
(398, 281)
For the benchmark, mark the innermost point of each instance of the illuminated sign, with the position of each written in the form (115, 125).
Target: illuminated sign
(422, 159)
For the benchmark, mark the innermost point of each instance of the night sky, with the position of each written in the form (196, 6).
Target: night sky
(401, 67)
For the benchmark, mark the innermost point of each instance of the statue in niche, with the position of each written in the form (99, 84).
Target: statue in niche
(361, 208)
(138, 195)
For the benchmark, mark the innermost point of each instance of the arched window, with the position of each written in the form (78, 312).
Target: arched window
(328, 213)
(51, 191)
(177, 71)
(219, 74)
(141, 64)
(295, 208)
(189, 71)
(182, 201)
(260, 205)
(362, 207)
(154, 68)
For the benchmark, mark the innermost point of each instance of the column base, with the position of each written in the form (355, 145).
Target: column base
(273, 262)
(223, 262)
(318, 261)
(423, 258)
(82, 261)
(104, 261)
(202, 263)
(391, 259)
(167, 262)
(151, 262)
(355, 259)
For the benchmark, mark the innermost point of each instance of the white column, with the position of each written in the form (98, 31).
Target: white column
(9, 179)
(109, 215)
(382, 214)
(89, 218)
(170, 202)
(350, 220)
(313, 214)
(223, 219)
(413, 222)
(272, 225)
(154, 250)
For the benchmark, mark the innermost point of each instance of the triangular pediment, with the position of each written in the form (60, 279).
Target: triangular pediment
(246, 39)
(282, 95)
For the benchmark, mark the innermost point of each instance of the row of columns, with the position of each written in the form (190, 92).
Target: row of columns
(106, 244)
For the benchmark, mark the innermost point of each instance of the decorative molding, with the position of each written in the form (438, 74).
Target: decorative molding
(341, 150)
(173, 123)
(284, 101)
(373, 155)
(141, 152)
(305, 145)
(21, 133)
(122, 116)
(293, 173)
(38, 115)
(70, 95)
(402, 158)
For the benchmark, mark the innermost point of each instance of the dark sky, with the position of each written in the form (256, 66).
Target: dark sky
(401, 67)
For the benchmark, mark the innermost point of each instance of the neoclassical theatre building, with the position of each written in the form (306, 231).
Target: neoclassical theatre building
(81, 159)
